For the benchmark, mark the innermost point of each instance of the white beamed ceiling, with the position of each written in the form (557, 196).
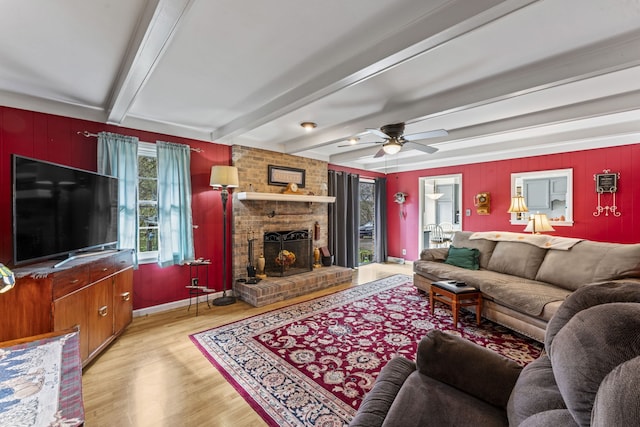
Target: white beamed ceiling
(506, 78)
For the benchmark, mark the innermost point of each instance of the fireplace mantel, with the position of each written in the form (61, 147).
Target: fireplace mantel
(285, 197)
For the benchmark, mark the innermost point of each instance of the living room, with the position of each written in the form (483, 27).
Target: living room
(485, 151)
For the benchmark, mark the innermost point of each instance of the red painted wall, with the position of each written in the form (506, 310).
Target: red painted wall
(55, 139)
(495, 178)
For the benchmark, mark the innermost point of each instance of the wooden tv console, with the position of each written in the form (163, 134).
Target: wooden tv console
(93, 292)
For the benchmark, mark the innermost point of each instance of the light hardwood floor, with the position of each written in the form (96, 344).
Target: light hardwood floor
(153, 375)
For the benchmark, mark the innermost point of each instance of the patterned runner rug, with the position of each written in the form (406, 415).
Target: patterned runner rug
(311, 363)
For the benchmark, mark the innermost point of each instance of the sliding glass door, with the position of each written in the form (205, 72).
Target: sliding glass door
(366, 228)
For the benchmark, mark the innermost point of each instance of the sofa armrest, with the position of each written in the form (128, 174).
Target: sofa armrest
(376, 403)
(468, 367)
(434, 254)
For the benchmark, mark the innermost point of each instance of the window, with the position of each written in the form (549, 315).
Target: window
(549, 192)
(147, 202)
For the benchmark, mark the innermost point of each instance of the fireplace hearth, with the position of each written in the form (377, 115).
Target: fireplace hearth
(288, 252)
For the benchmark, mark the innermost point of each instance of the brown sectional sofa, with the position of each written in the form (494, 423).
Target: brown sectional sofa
(525, 278)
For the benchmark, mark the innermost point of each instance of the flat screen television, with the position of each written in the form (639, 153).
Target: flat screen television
(60, 211)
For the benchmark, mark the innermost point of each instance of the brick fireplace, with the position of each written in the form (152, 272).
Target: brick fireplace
(253, 219)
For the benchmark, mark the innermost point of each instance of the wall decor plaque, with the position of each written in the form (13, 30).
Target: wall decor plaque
(283, 176)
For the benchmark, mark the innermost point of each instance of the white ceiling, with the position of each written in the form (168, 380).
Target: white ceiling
(505, 78)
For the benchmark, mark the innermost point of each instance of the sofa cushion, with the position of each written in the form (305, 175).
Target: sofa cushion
(525, 296)
(478, 370)
(589, 262)
(535, 391)
(468, 258)
(588, 348)
(516, 258)
(618, 399)
(375, 406)
(554, 417)
(461, 240)
(424, 401)
(589, 296)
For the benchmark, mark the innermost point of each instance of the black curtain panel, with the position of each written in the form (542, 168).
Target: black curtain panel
(344, 217)
(380, 232)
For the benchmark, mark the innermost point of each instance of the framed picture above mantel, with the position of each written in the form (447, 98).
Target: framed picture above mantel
(283, 176)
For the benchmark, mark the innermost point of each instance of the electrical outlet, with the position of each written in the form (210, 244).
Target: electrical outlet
(404, 252)
(194, 281)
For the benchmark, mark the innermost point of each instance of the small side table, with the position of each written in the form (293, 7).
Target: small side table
(196, 286)
(455, 297)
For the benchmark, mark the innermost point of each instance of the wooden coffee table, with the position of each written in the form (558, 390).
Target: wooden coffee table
(455, 297)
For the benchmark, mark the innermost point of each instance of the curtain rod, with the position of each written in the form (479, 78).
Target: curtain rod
(89, 134)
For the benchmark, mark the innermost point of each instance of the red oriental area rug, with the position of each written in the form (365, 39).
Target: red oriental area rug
(311, 363)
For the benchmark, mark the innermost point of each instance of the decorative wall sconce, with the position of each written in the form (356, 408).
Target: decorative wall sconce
(400, 198)
(606, 182)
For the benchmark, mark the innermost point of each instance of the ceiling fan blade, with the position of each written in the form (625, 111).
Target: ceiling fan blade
(361, 143)
(424, 148)
(377, 132)
(379, 154)
(426, 135)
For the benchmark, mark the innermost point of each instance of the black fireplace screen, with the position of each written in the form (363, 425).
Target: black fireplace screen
(288, 252)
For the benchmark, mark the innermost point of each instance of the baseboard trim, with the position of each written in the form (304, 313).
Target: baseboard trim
(171, 305)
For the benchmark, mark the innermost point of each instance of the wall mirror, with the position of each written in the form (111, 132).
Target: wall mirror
(440, 203)
(549, 192)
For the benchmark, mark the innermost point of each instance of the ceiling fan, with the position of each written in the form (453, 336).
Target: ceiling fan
(394, 140)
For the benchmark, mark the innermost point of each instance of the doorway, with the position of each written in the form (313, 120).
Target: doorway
(440, 204)
(366, 228)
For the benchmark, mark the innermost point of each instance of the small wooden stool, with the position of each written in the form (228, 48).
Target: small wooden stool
(447, 292)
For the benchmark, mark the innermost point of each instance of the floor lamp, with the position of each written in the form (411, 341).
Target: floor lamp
(224, 177)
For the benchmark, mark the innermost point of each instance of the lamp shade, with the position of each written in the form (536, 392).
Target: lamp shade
(7, 279)
(434, 195)
(518, 205)
(391, 147)
(538, 223)
(224, 176)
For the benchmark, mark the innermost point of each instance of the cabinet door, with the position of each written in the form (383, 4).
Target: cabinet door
(70, 311)
(100, 313)
(536, 193)
(123, 300)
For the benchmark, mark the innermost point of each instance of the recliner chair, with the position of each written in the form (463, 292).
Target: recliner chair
(589, 374)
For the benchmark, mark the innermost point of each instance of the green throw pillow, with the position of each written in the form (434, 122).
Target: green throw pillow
(464, 257)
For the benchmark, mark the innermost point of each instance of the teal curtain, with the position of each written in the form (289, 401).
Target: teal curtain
(175, 223)
(118, 156)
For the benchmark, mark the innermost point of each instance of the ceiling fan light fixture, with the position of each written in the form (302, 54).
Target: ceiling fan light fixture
(309, 126)
(391, 147)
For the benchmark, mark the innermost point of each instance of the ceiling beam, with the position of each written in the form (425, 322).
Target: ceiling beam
(577, 140)
(470, 137)
(591, 61)
(158, 24)
(455, 18)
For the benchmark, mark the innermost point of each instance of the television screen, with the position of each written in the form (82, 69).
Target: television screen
(59, 210)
